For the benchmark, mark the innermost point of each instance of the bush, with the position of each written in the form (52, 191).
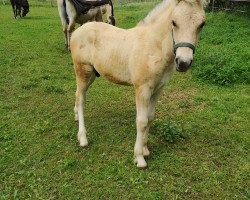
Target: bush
(169, 131)
(229, 4)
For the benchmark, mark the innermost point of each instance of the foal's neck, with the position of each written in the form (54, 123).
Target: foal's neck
(163, 24)
(159, 19)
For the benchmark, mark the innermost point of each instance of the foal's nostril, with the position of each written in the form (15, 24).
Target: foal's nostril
(191, 62)
(182, 64)
(176, 60)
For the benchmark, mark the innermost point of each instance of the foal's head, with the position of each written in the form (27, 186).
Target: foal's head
(188, 18)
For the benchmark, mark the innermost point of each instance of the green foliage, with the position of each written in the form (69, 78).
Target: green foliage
(168, 130)
(233, 5)
(221, 3)
(223, 51)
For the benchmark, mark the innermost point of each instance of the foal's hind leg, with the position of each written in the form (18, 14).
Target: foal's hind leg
(84, 77)
(91, 80)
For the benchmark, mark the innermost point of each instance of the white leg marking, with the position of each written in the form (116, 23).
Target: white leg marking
(82, 131)
(143, 96)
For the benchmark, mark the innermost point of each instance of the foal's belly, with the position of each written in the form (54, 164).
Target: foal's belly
(118, 79)
(115, 73)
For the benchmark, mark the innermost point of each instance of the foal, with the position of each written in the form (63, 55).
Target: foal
(143, 57)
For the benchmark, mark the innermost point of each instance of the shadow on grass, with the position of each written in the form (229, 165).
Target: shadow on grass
(34, 18)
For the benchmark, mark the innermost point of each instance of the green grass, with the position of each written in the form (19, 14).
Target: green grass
(40, 157)
(224, 51)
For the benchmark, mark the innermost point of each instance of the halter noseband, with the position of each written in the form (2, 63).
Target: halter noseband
(184, 44)
(181, 44)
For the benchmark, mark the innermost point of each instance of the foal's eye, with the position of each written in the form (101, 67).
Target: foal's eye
(201, 26)
(174, 24)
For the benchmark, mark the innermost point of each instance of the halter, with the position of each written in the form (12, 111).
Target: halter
(181, 44)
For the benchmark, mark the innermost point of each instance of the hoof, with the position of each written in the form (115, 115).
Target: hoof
(84, 144)
(140, 161)
(83, 140)
(142, 167)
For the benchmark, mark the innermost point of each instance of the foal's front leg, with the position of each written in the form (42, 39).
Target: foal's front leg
(143, 95)
(151, 115)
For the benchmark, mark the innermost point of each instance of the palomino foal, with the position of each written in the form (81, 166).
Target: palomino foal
(143, 57)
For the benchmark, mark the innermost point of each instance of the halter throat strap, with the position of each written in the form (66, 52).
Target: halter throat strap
(184, 44)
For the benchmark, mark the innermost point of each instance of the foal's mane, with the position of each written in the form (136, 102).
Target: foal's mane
(153, 15)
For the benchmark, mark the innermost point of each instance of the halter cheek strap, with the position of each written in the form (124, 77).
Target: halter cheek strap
(184, 44)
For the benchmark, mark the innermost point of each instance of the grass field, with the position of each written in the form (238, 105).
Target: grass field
(40, 157)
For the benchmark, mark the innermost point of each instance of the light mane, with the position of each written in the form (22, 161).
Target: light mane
(154, 14)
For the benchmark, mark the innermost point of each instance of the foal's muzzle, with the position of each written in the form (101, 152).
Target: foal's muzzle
(182, 65)
(184, 56)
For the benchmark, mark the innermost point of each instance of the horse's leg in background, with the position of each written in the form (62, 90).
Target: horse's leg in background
(98, 16)
(84, 77)
(63, 17)
(18, 9)
(72, 15)
(71, 28)
(13, 7)
(143, 96)
(15, 11)
(109, 13)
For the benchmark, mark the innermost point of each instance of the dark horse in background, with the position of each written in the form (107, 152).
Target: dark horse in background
(20, 7)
